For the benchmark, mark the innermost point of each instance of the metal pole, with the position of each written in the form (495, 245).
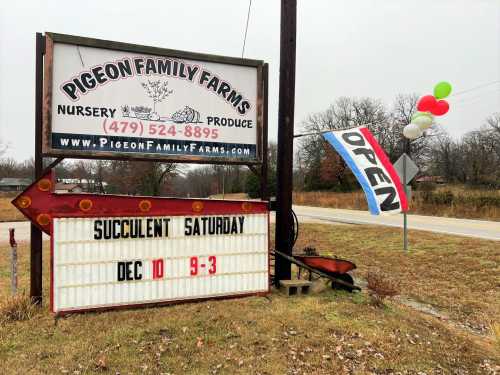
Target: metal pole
(284, 221)
(405, 218)
(407, 151)
(13, 261)
(36, 234)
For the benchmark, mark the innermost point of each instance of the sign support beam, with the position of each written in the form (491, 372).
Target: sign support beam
(264, 191)
(284, 221)
(36, 234)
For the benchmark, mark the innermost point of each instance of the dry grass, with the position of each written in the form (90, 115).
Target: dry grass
(351, 201)
(457, 275)
(16, 308)
(495, 328)
(8, 212)
(447, 201)
(328, 333)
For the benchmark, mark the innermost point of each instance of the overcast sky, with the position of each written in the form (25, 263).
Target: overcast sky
(344, 48)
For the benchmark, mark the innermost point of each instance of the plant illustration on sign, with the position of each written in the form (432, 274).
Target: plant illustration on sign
(156, 91)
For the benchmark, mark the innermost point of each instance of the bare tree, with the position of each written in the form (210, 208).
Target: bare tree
(344, 113)
(3, 148)
(494, 123)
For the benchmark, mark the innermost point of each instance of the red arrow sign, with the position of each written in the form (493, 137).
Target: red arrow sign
(40, 204)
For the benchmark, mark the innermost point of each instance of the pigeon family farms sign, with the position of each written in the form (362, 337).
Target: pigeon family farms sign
(114, 100)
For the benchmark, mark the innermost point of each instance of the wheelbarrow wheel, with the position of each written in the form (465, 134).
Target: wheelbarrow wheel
(344, 277)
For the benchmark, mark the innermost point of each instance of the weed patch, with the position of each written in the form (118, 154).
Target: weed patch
(16, 308)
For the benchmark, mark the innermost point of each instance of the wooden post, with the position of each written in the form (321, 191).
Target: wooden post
(284, 221)
(264, 190)
(36, 234)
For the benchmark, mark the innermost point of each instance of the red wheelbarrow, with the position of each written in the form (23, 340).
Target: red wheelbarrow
(334, 267)
(331, 268)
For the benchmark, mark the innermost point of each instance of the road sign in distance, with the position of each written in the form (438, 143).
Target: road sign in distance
(411, 168)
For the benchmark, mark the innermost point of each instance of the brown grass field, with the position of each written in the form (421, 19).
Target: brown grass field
(447, 201)
(325, 333)
(8, 212)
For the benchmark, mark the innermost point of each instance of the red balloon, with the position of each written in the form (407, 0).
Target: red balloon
(441, 108)
(426, 103)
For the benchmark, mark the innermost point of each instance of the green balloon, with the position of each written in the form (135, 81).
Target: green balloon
(442, 90)
(419, 114)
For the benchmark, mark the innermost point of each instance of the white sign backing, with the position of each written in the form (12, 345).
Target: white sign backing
(114, 261)
(105, 98)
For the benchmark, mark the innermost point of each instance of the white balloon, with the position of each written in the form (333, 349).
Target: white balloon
(423, 122)
(412, 131)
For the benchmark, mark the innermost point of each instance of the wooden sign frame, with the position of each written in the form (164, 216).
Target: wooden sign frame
(261, 104)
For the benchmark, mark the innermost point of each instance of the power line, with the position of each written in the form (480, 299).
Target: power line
(468, 99)
(475, 88)
(80, 54)
(246, 29)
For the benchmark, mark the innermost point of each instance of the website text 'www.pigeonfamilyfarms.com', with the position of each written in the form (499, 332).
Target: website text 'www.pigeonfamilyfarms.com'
(66, 141)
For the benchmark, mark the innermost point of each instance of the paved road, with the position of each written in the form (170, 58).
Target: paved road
(463, 227)
(472, 228)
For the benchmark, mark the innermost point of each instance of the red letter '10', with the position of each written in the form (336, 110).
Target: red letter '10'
(157, 268)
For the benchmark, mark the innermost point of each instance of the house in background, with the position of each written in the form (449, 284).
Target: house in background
(14, 184)
(86, 185)
(62, 187)
(432, 179)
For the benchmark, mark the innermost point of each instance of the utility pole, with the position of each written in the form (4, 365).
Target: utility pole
(284, 220)
(36, 234)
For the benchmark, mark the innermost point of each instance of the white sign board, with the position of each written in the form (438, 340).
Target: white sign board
(135, 103)
(116, 261)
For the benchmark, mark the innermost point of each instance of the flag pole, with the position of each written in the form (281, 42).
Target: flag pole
(325, 131)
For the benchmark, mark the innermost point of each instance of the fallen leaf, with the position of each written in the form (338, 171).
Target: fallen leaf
(199, 342)
(100, 363)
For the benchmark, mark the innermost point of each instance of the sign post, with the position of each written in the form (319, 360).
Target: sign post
(284, 221)
(407, 170)
(35, 233)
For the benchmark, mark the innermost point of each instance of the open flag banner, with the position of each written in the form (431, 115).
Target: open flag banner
(373, 169)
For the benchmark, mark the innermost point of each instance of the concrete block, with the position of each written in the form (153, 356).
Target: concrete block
(295, 287)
